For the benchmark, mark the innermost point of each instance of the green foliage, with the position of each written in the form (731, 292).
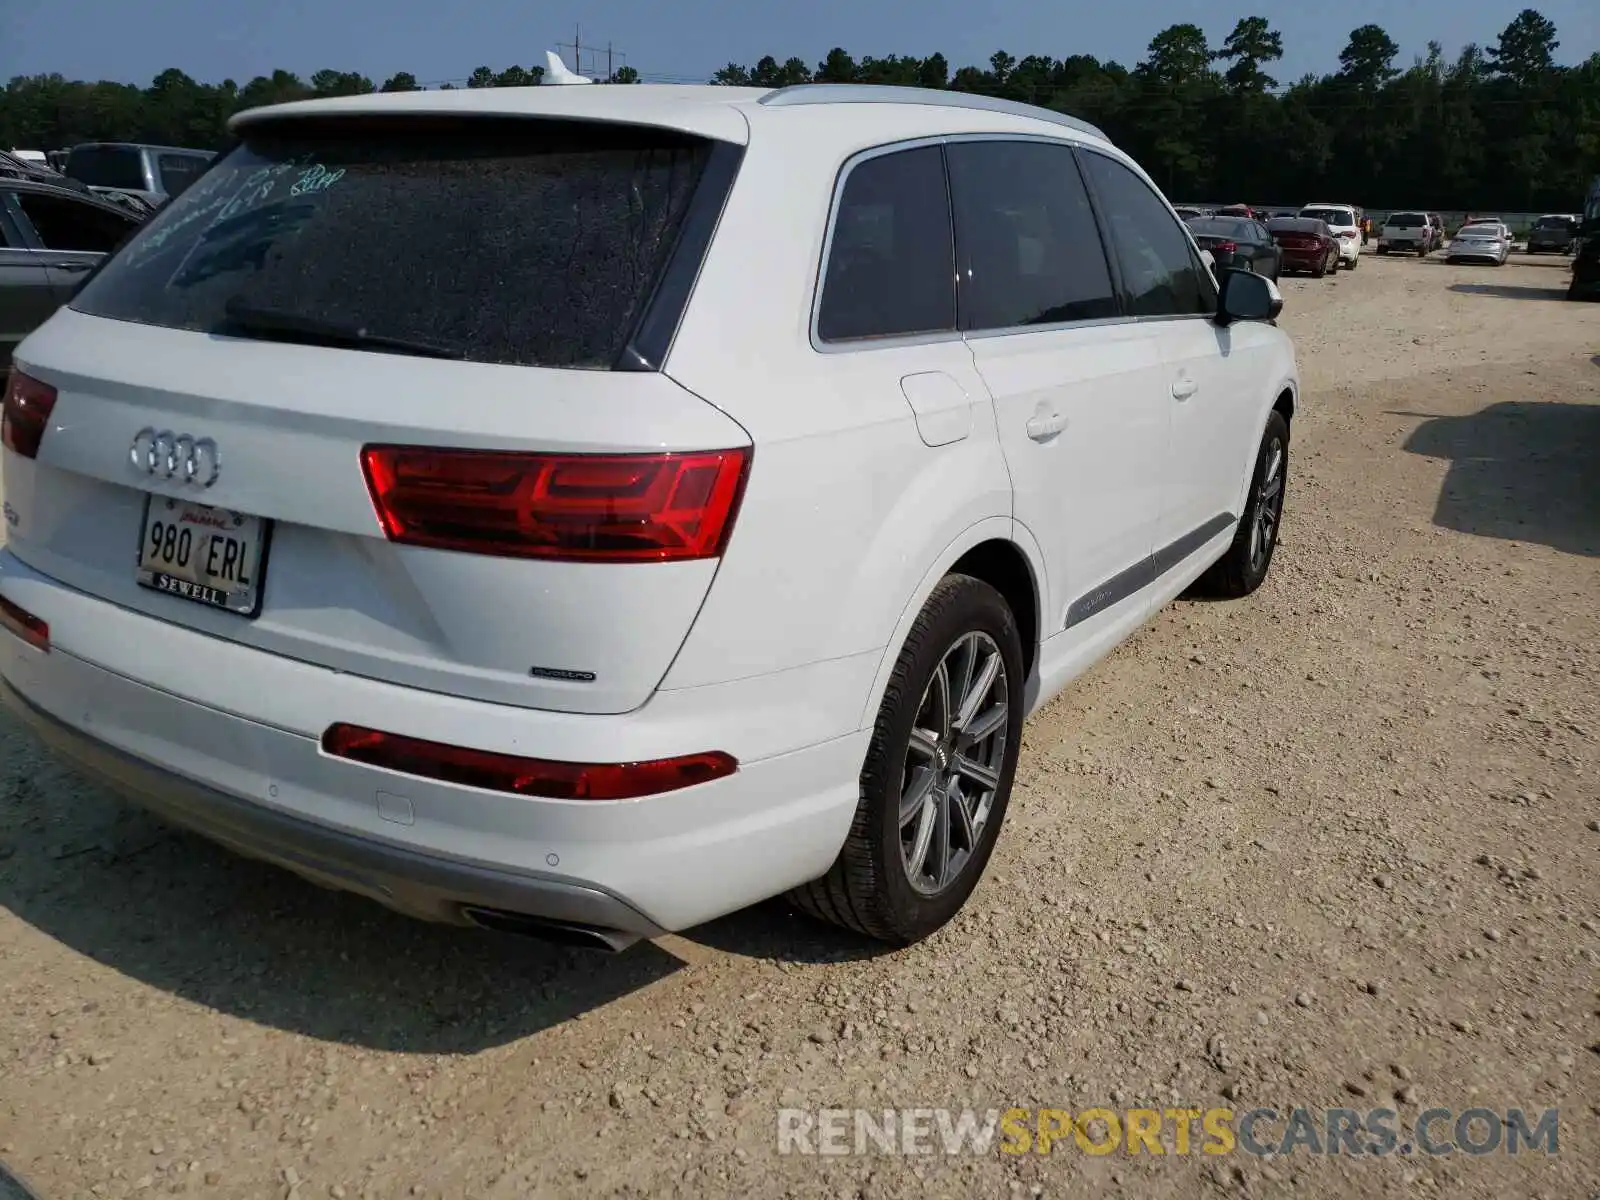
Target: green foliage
(1501, 127)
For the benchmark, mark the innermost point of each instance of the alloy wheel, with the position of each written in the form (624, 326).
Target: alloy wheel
(953, 763)
(1268, 508)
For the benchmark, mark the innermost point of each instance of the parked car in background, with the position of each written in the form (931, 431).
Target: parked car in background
(154, 173)
(1237, 242)
(1236, 210)
(1554, 233)
(595, 653)
(12, 167)
(1345, 221)
(1585, 283)
(1407, 233)
(1186, 211)
(1306, 243)
(1482, 241)
(50, 239)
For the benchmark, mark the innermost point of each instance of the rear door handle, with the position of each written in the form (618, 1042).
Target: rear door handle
(1184, 388)
(70, 266)
(1042, 427)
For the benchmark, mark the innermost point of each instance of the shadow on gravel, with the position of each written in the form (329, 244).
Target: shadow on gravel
(176, 913)
(775, 931)
(1518, 471)
(1509, 291)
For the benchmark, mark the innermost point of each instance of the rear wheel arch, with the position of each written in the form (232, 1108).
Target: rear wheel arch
(1001, 553)
(1003, 566)
(1285, 404)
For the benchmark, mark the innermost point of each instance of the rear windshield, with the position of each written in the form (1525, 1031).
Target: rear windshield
(178, 171)
(505, 241)
(1554, 223)
(1407, 221)
(107, 166)
(1223, 228)
(1295, 225)
(1333, 216)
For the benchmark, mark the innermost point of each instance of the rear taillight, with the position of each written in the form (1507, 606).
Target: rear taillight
(524, 776)
(28, 405)
(584, 507)
(1347, 233)
(24, 624)
(1225, 247)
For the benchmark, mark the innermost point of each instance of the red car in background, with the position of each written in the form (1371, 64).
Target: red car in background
(1307, 244)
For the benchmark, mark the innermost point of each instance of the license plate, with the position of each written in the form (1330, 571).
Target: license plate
(209, 555)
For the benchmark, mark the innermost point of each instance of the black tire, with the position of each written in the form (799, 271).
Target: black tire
(1321, 269)
(869, 888)
(1242, 570)
(1382, 250)
(1355, 261)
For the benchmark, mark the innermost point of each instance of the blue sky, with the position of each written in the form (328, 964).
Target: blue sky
(685, 40)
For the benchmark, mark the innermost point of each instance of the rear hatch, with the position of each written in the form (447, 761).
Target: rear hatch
(357, 398)
(1405, 227)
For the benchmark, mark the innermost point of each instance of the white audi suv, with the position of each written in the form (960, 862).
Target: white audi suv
(588, 511)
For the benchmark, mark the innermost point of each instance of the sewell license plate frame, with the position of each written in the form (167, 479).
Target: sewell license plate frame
(243, 600)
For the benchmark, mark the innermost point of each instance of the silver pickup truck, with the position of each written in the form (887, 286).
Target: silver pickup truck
(1408, 233)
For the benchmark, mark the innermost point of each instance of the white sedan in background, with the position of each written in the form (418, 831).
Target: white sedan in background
(1481, 241)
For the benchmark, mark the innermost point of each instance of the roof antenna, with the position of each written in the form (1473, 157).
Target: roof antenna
(555, 71)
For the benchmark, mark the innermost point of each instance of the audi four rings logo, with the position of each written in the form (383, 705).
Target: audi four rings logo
(168, 455)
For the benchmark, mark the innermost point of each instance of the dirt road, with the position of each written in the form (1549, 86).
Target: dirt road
(1332, 846)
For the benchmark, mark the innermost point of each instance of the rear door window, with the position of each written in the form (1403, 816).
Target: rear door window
(1029, 249)
(529, 242)
(891, 257)
(1160, 274)
(63, 223)
(178, 171)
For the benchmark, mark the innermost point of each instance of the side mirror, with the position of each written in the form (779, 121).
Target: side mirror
(1246, 296)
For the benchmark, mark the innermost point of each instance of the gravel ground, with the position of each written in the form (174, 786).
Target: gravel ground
(1333, 845)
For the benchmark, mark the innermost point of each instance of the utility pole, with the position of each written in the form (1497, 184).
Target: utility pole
(576, 46)
(613, 56)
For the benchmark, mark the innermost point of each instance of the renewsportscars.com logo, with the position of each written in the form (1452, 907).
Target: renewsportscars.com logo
(1373, 1133)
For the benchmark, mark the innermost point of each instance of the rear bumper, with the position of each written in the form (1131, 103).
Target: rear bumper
(420, 884)
(1303, 260)
(234, 754)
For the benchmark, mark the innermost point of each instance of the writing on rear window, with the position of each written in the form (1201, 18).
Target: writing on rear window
(531, 242)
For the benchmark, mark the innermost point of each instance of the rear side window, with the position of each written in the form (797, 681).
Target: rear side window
(1029, 249)
(535, 243)
(64, 224)
(891, 259)
(178, 171)
(1407, 220)
(108, 166)
(1160, 274)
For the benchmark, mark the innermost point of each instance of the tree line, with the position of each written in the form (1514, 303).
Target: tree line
(1502, 126)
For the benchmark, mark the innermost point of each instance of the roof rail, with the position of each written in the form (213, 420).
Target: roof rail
(877, 93)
